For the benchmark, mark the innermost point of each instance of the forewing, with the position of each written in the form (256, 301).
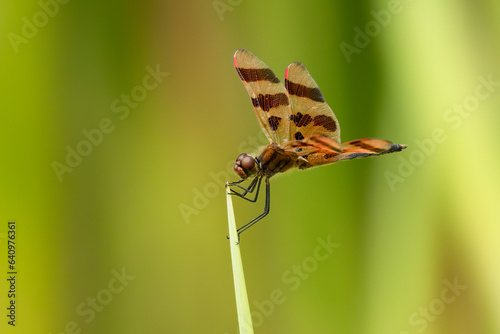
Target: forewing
(366, 147)
(318, 150)
(310, 113)
(269, 97)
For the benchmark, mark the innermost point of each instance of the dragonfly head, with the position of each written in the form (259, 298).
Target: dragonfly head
(246, 166)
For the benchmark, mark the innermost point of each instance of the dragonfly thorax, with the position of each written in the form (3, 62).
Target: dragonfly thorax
(273, 159)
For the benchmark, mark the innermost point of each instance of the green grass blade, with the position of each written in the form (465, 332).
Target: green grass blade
(242, 306)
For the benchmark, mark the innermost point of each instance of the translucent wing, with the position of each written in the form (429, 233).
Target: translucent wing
(269, 97)
(313, 144)
(366, 147)
(318, 150)
(310, 113)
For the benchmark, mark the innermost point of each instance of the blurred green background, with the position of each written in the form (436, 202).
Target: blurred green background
(115, 176)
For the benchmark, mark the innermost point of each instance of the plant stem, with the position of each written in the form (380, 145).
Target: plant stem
(242, 306)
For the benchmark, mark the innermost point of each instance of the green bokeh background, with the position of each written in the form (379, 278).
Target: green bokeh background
(149, 198)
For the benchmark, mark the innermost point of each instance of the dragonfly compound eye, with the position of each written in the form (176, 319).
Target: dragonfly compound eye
(245, 166)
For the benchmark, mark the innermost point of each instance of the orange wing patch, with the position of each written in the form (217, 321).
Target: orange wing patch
(318, 150)
(367, 147)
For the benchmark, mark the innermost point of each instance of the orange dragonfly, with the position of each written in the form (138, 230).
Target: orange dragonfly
(302, 129)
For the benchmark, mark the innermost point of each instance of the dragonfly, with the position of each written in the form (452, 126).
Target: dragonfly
(302, 129)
